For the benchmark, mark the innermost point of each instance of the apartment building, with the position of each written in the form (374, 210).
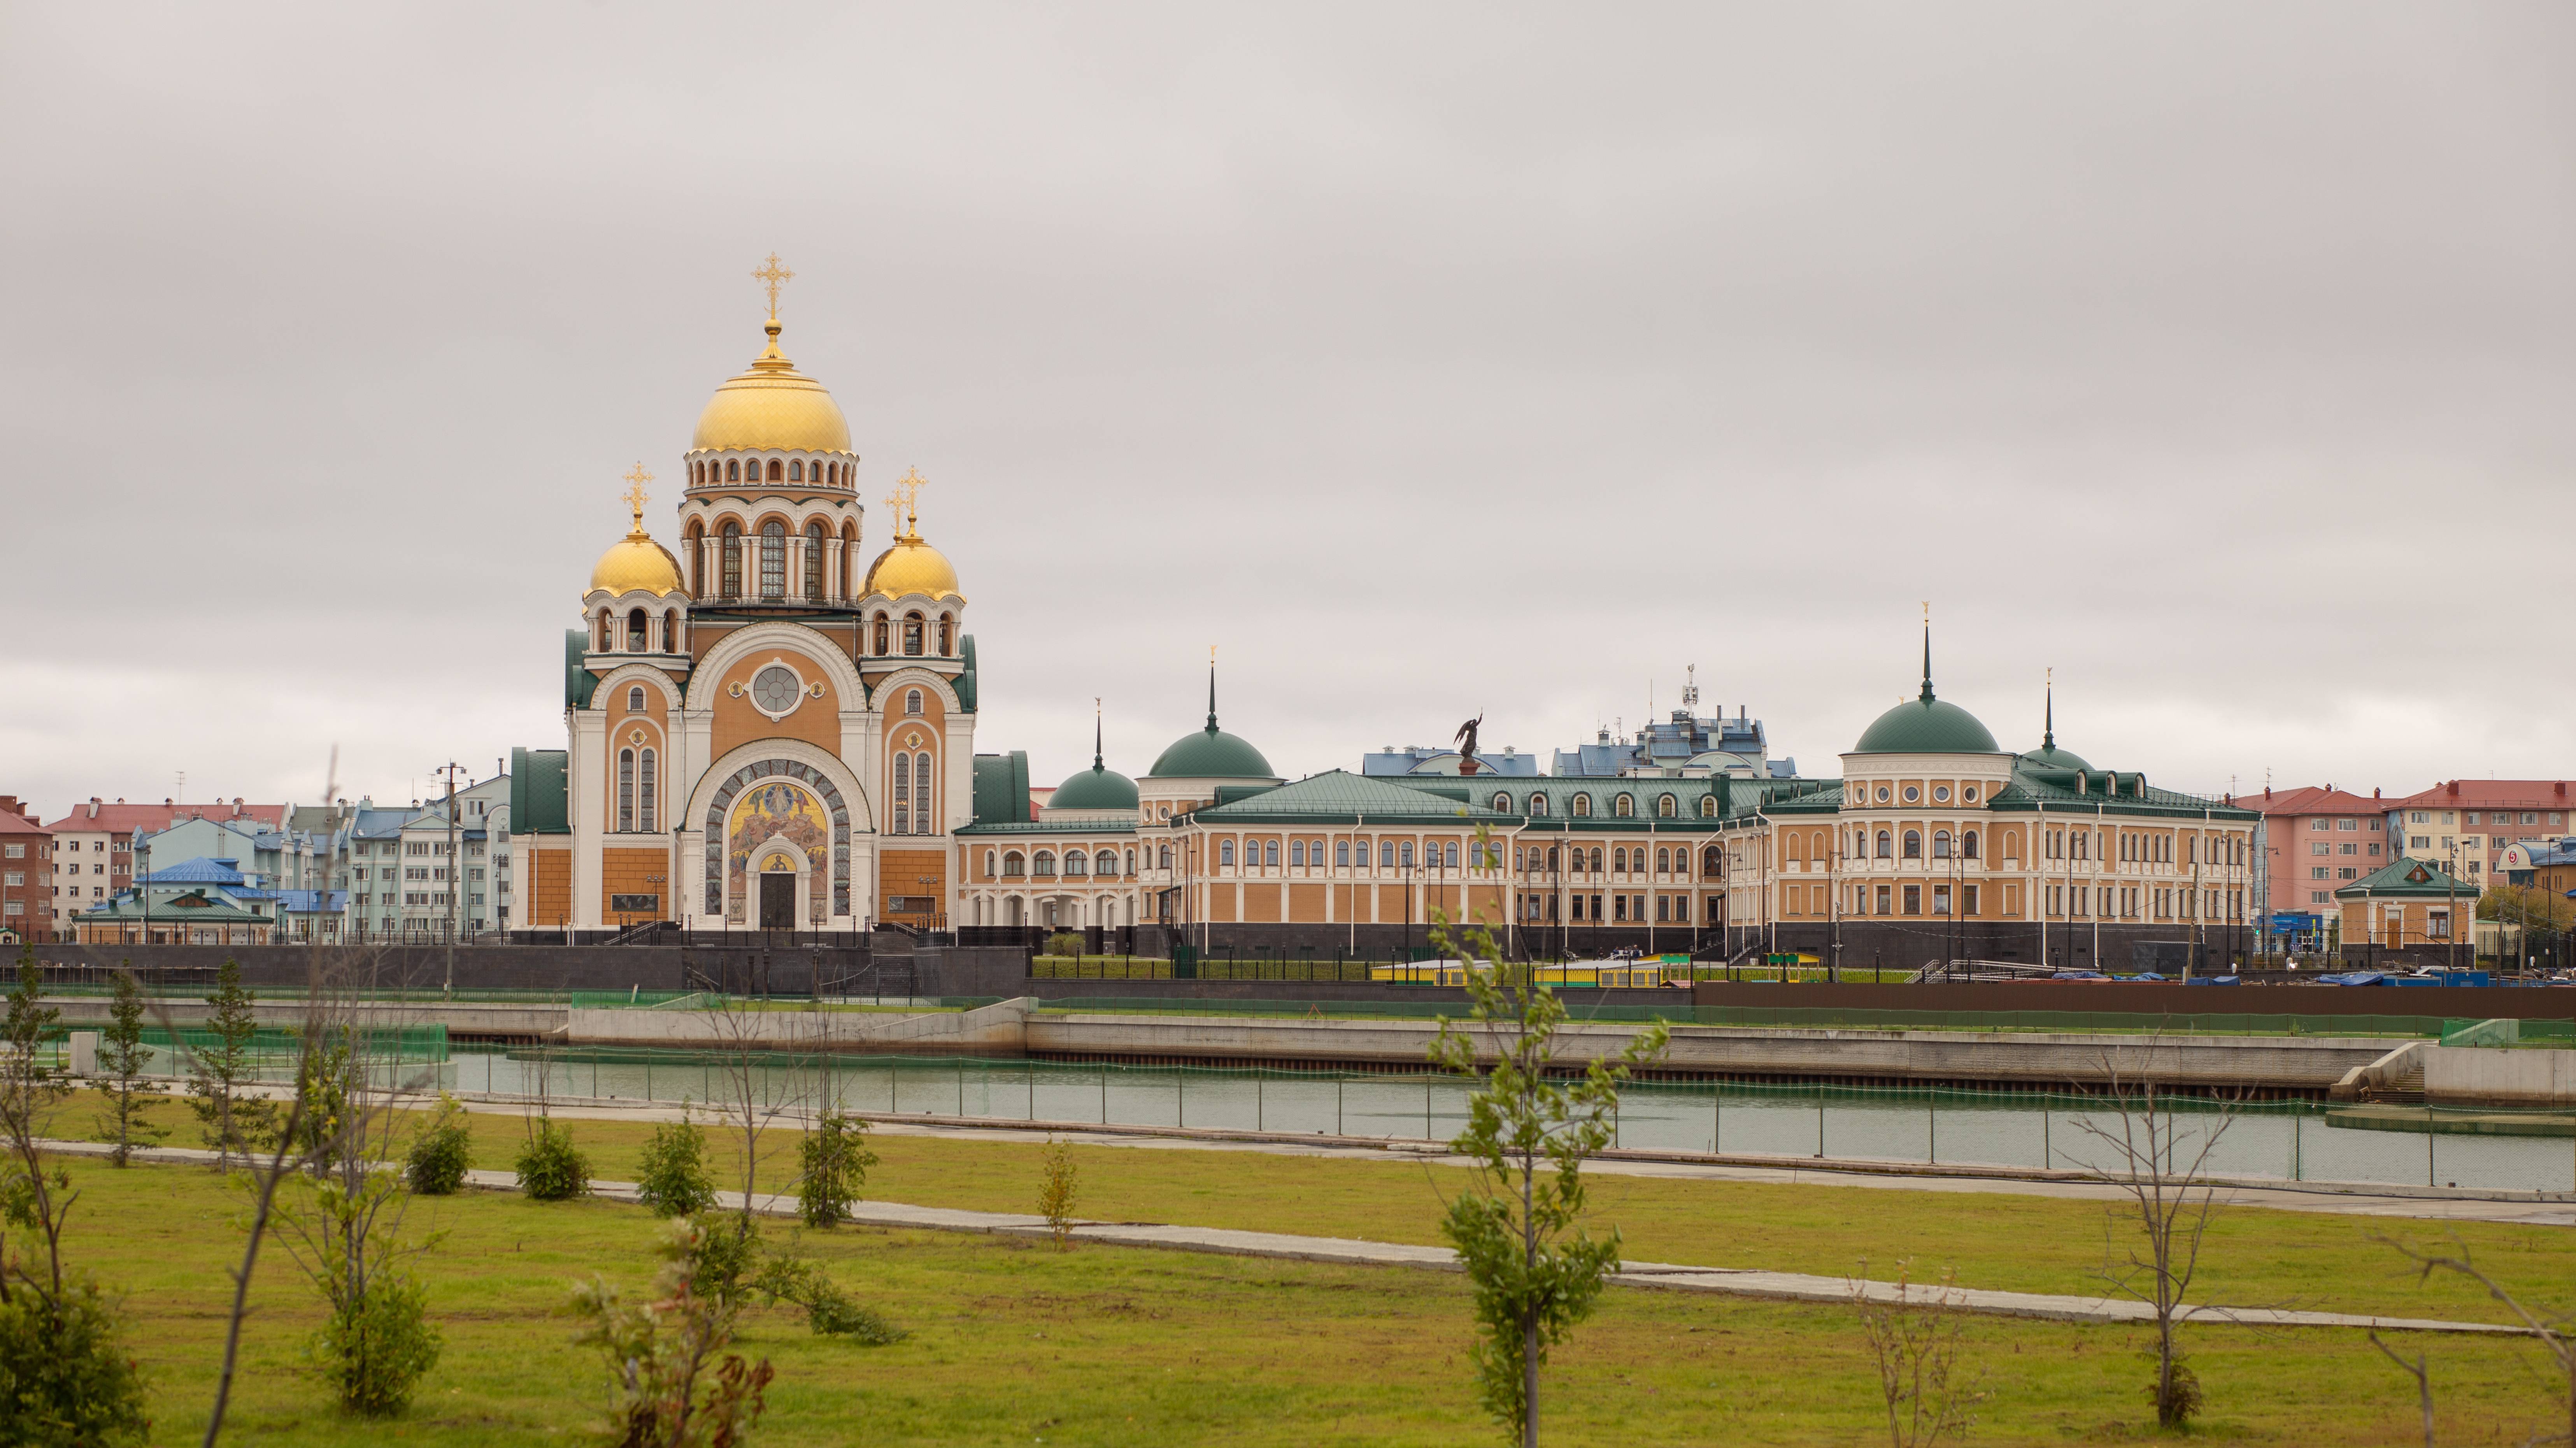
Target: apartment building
(2465, 825)
(26, 873)
(94, 846)
(2315, 840)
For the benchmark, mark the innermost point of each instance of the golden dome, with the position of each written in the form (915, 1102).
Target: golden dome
(912, 566)
(773, 406)
(637, 562)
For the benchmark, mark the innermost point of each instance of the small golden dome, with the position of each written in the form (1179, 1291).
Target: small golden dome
(912, 566)
(773, 406)
(637, 562)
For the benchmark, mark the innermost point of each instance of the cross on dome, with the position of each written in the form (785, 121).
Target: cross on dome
(775, 276)
(635, 495)
(903, 509)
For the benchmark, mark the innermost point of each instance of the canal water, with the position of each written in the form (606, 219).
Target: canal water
(2292, 1141)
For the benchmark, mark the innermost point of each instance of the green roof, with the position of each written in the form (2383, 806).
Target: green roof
(1002, 788)
(1340, 797)
(1211, 753)
(964, 683)
(2049, 756)
(1095, 788)
(1926, 726)
(2409, 880)
(538, 798)
(578, 681)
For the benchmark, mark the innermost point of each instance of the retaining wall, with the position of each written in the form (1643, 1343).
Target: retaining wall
(2489, 1076)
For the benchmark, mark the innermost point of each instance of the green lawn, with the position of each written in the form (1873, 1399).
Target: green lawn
(1993, 1240)
(1013, 1342)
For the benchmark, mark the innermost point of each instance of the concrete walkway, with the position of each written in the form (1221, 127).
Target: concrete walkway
(1343, 1251)
(2350, 1199)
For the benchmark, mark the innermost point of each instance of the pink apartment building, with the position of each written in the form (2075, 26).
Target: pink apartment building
(2315, 841)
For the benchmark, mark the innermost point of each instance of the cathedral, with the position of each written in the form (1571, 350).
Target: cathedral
(774, 729)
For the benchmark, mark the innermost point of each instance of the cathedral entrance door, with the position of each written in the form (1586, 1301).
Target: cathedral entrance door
(777, 901)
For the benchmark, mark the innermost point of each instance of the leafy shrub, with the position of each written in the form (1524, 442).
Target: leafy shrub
(672, 1381)
(442, 1153)
(675, 1181)
(551, 1168)
(727, 1253)
(1064, 942)
(835, 1159)
(1058, 1189)
(828, 1310)
(65, 1377)
(376, 1348)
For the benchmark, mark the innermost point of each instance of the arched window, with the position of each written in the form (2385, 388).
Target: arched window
(1296, 854)
(1225, 854)
(1667, 807)
(922, 820)
(912, 701)
(1163, 858)
(639, 629)
(1681, 863)
(1625, 806)
(1449, 855)
(1538, 804)
(795, 470)
(1013, 865)
(635, 700)
(1711, 861)
(1914, 844)
(773, 560)
(814, 538)
(773, 471)
(1270, 854)
(1708, 806)
(625, 791)
(1131, 862)
(733, 470)
(1940, 844)
(1619, 859)
(912, 635)
(1582, 807)
(947, 636)
(1502, 804)
(1663, 861)
(671, 631)
(1968, 845)
(731, 548)
(1406, 853)
(1552, 857)
(603, 634)
(693, 546)
(644, 793)
(1886, 845)
(882, 637)
(1076, 863)
(1341, 854)
(1044, 865)
(1596, 859)
(903, 794)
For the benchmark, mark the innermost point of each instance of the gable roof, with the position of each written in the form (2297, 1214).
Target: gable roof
(2309, 799)
(2481, 793)
(94, 817)
(2409, 880)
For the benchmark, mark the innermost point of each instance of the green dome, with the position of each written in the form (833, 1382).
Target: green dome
(1094, 788)
(1926, 726)
(2049, 756)
(1211, 753)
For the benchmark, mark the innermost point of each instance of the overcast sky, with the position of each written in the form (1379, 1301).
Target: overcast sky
(1428, 361)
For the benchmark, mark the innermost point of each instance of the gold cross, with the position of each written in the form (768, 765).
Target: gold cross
(774, 275)
(903, 505)
(635, 494)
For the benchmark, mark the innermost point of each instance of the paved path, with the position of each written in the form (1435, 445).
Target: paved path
(1344, 1251)
(2436, 1204)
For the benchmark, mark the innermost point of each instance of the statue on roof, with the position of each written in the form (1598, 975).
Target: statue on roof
(1465, 739)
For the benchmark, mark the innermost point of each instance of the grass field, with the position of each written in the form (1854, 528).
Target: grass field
(1014, 1342)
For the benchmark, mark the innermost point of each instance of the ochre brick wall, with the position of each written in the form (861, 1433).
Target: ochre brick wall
(629, 871)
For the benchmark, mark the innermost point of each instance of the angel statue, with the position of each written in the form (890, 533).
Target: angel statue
(1465, 739)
